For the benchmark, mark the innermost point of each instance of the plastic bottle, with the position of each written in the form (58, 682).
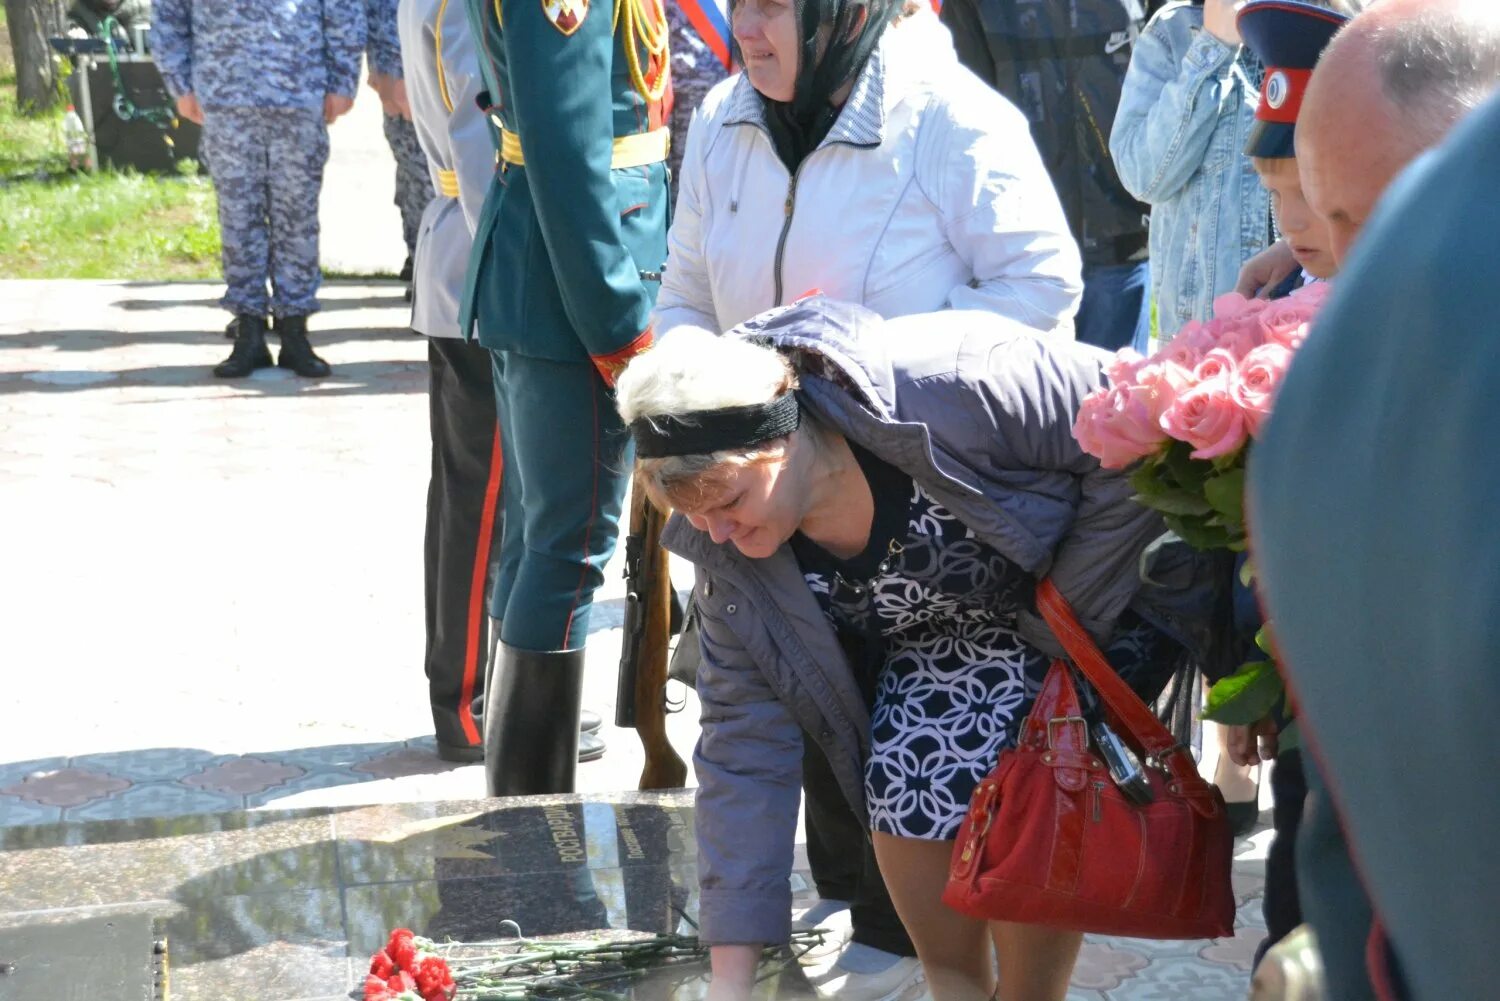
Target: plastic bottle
(76, 137)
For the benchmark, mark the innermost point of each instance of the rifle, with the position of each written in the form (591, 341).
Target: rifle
(640, 699)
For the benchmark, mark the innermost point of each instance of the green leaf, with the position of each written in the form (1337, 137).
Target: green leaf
(1169, 501)
(1150, 478)
(1290, 738)
(1246, 696)
(1247, 578)
(1226, 492)
(1196, 532)
(1190, 473)
(1263, 640)
(1155, 488)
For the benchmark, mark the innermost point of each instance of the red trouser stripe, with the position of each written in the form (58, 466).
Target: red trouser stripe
(472, 651)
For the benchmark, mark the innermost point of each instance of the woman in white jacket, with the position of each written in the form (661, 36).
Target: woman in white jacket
(901, 182)
(855, 155)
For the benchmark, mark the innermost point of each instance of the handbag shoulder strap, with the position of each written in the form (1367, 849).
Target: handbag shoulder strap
(1132, 713)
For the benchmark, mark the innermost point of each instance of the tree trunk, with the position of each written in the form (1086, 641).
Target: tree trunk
(31, 23)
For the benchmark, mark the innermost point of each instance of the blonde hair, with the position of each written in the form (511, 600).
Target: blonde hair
(688, 372)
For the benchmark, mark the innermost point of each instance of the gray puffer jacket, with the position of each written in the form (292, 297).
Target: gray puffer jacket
(979, 411)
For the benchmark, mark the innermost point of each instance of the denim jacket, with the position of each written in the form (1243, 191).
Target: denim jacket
(1178, 140)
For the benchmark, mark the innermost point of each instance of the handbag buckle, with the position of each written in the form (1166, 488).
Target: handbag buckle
(1083, 726)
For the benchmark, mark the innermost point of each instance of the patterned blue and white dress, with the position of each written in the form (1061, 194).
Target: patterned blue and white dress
(951, 677)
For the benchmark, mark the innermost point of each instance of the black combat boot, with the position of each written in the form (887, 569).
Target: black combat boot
(531, 710)
(407, 270)
(250, 351)
(296, 353)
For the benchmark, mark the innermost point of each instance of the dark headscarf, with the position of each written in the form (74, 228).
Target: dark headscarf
(797, 126)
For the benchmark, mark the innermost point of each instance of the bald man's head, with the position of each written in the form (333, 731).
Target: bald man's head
(1391, 85)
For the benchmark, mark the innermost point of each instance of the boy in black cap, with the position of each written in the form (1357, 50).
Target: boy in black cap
(1287, 37)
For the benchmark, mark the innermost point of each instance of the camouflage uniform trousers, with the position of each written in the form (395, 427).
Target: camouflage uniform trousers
(267, 168)
(413, 182)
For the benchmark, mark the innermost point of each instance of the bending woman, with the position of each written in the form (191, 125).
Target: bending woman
(869, 504)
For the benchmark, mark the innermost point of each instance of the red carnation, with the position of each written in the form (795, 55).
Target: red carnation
(402, 949)
(402, 981)
(382, 965)
(434, 979)
(376, 989)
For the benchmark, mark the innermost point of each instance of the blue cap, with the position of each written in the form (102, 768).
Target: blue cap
(1287, 36)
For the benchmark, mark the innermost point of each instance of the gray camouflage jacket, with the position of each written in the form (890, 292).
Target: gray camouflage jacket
(979, 411)
(259, 53)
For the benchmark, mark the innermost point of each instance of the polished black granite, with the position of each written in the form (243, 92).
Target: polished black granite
(289, 905)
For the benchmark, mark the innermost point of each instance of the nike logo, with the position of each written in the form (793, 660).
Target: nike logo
(1118, 40)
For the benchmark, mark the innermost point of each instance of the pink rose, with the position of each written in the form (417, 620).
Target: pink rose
(1165, 381)
(1127, 362)
(1259, 380)
(1232, 304)
(1183, 351)
(1236, 336)
(1218, 363)
(1208, 418)
(1283, 315)
(1118, 425)
(1290, 338)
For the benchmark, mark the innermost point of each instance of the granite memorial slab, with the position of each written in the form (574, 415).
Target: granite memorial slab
(289, 905)
(95, 959)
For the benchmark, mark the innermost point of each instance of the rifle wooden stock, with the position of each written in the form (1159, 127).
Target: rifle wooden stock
(651, 589)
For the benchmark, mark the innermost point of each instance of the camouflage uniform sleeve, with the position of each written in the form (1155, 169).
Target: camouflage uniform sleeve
(384, 44)
(562, 98)
(343, 44)
(172, 44)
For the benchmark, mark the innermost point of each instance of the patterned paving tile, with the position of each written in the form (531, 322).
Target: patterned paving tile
(155, 799)
(15, 812)
(331, 755)
(1237, 952)
(403, 762)
(151, 764)
(243, 776)
(15, 771)
(66, 787)
(1105, 965)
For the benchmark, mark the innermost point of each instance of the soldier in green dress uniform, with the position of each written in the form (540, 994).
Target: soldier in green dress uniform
(563, 275)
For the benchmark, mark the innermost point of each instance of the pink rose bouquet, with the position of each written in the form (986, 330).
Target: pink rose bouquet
(1182, 418)
(1182, 421)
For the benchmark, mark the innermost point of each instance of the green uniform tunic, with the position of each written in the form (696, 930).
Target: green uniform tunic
(563, 276)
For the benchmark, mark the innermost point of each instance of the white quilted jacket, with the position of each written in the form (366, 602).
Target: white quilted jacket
(928, 193)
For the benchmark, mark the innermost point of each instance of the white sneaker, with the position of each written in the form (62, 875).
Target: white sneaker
(902, 980)
(833, 917)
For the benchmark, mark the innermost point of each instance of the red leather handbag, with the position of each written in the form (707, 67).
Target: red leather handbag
(1051, 840)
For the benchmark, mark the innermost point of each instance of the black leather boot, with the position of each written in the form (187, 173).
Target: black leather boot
(296, 353)
(531, 713)
(250, 351)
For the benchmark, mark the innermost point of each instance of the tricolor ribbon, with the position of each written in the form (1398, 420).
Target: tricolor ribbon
(711, 20)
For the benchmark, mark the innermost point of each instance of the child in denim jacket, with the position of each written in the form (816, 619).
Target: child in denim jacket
(1185, 114)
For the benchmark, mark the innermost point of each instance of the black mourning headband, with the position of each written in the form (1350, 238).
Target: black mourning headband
(703, 432)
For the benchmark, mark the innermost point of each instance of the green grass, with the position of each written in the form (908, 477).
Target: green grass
(109, 225)
(56, 223)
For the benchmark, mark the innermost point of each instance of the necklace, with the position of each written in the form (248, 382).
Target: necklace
(859, 588)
